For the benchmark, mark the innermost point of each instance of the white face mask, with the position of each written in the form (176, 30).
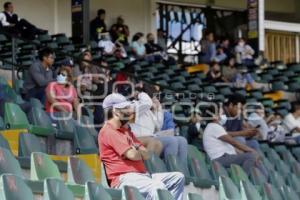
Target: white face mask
(223, 119)
(61, 79)
(241, 44)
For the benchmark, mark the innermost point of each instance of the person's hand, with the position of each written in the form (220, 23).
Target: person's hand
(250, 132)
(255, 153)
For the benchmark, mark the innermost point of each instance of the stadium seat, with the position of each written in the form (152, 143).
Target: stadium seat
(2, 125)
(282, 168)
(55, 189)
(273, 156)
(79, 172)
(227, 189)
(237, 174)
(288, 158)
(14, 117)
(29, 143)
(248, 191)
(84, 142)
(270, 192)
(65, 127)
(289, 193)
(293, 181)
(155, 165)
(276, 179)
(257, 177)
(198, 168)
(4, 143)
(41, 122)
(296, 168)
(14, 187)
(94, 191)
(218, 170)
(132, 193)
(193, 196)
(193, 152)
(164, 195)
(8, 163)
(36, 103)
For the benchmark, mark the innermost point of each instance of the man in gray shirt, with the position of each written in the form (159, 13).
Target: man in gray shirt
(39, 75)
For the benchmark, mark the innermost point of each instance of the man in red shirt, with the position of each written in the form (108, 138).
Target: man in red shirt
(123, 155)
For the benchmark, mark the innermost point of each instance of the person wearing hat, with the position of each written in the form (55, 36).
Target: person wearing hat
(123, 154)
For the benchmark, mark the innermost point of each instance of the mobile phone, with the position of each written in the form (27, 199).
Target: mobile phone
(258, 126)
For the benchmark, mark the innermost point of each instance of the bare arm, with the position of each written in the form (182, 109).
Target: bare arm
(244, 133)
(136, 154)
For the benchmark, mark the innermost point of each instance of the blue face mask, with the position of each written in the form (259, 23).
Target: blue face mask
(223, 119)
(61, 79)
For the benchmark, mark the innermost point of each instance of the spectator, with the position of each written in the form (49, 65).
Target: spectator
(61, 94)
(229, 71)
(123, 155)
(208, 48)
(195, 131)
(220, 56)
(161, 39)
(138, 46)
(225, 44)
(214, 74)
(221, 146)
(292, 121)
(39, 75)
(110, 48)
(243, 79)
(120, 32)
(97, 25)
(244, 53)
(150, 111)
(235, 123)
(12, 23)
(151, 46)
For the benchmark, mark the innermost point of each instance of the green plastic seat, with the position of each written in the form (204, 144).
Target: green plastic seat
(155, 164)
(164, 195)
(94, 191)
(198, 168)
(293, 181)
(132, 193)
(276, 179)
(193, 196)
(270, 192)
(248, 191)
(65, 126)
(257, 177)
(278, 85)
(227, 189)
(55, 189)
(84, 142)
(225, 91)
(79, 172)
(4, 143)
(296, 168)
(218, 170)
(290, 193)
(41, 122)
(13, 187)
(193, 152)
(2, 125)
(282, 168)
(273, 155)
(29, 143)
(8, 163)
(14, 117)
(238, 174)
(36, 103)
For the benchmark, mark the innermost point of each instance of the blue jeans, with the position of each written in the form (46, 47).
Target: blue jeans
(251, 143)
(175, 145)
(148, 184)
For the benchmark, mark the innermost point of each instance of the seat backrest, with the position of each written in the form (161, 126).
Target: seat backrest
(38, 117)
(132, 193)
(155, 164)
(94, 191)
(66, 127)
(290, 193)
(248, 191)
(29, 143)
(84, 142)
(193, 152)
(42, 167)
(238, 174)
(257, 177)
(174, 165)
(164, 195)
(78, 171)
(2, 125)
(55, 189)
(199, 169)
(36, 103)
(13, 187)
(271, 192)
(14, 117)
(228, 190)
(8, 163)
(218, 170)
(193, 196)
(4, 143)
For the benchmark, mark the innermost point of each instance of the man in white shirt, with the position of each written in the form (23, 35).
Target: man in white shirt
(13, 24)
(223, 148)
(291, 122)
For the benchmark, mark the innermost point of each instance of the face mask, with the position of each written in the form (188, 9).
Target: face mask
(61, 79)
(223, 119)
(241, 43)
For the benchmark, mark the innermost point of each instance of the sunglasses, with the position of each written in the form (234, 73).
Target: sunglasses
(63, 74)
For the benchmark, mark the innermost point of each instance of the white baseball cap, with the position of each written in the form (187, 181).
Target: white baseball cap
(116, 100)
